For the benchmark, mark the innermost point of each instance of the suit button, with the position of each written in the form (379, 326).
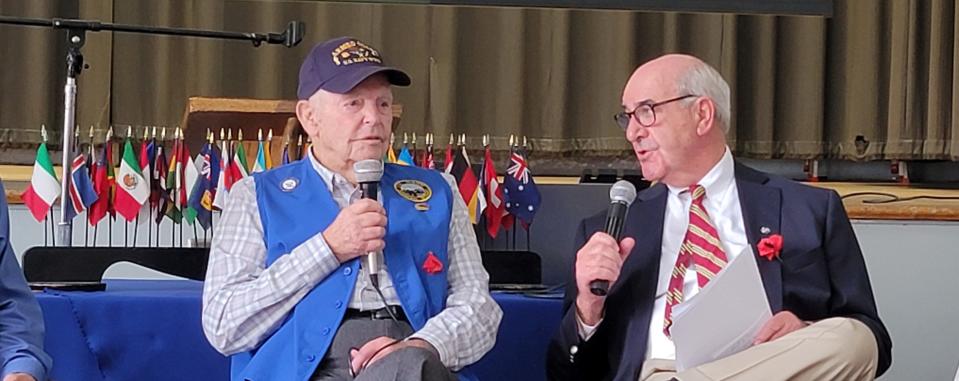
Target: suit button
(310, 358)
(347, 271)
(338, 304)
(573, 350)
(326, 331)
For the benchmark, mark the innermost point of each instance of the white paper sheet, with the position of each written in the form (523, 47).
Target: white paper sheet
(724, 317)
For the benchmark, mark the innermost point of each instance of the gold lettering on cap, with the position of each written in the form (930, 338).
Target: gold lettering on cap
(353, 52)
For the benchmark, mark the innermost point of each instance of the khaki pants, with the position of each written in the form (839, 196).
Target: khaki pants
(831, 349)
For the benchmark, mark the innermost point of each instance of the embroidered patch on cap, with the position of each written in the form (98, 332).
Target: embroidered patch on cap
(353, 51)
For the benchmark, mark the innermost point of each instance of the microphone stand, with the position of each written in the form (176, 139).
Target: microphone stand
(76, 37)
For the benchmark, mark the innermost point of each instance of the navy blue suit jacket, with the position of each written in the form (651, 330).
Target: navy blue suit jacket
(821, 274)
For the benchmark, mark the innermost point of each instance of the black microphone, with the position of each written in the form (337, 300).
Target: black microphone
(368, 174)
(621, 195)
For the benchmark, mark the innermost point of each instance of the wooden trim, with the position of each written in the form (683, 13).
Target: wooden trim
(22, 172)
(859, 198)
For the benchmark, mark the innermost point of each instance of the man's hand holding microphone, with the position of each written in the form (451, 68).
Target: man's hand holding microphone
(358, 229)
(599, 261)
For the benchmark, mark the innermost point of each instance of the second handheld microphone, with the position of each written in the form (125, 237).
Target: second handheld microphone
(621, 195)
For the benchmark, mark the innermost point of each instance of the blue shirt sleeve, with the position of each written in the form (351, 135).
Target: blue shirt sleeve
(21, 323)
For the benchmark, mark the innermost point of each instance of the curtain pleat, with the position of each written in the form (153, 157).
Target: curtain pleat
(876, 81)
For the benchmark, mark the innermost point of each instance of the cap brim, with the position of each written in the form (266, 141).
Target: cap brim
(344, 83)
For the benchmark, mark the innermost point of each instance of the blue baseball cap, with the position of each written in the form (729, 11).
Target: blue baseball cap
(338, 65)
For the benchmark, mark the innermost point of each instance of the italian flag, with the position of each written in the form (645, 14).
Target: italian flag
(132, 189)
(44, 187)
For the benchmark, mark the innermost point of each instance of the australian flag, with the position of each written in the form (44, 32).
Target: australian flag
(519, 189)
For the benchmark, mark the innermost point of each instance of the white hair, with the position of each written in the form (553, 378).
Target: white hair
(703, 80)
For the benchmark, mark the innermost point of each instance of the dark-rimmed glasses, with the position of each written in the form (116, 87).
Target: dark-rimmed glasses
(644, 114)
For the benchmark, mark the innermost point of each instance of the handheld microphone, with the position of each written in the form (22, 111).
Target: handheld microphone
(368, 174)
(621, 195)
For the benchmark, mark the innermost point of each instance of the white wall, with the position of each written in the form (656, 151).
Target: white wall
(26, 232)
(913, 271)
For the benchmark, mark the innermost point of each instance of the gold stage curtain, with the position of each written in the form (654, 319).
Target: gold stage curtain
(803, 87)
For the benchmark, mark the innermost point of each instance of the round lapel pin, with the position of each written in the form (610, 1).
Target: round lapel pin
(289, 184)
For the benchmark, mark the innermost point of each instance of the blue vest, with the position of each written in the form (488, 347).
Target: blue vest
(295, 205)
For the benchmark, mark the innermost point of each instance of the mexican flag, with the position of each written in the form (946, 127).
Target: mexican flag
(132, 189)
(44, 187)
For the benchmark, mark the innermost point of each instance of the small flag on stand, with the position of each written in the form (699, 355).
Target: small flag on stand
(260, 164)
(268, 150)
(101, 186)
(522, 195)
(174, 181)
(132, 190)
(238, 167)
(285, 153)
(467, 183)
(191, 174)
(147, 156)
(495, 208)
(413, 161)
(82, 194)
(427, 160)
(202, 194)
(448, 159)
(390, 154)
(44, 187)
(225, 181)
(111, 178)
(405, 158)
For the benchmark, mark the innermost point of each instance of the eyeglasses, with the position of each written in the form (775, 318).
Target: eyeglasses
(644, 114)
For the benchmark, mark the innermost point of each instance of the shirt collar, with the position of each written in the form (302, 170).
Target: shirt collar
(328, 176)
(717, 180)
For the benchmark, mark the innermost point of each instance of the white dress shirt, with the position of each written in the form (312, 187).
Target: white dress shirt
(244, 302)
(723, 206)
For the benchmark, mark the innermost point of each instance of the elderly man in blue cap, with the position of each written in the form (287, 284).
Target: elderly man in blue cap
(286, 294)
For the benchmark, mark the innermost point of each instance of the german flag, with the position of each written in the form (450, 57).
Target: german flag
(468, 185)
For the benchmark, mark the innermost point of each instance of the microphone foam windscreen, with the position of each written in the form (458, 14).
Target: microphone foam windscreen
(623, 191)
(369, 171)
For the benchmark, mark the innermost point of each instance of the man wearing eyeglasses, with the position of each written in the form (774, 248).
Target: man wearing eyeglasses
(704, 210)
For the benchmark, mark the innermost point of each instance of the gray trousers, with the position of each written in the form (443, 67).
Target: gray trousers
(407, 364)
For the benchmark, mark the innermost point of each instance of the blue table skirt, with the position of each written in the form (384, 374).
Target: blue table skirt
(150, 330)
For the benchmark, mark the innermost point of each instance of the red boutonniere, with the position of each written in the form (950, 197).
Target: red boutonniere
(432, 265)
(770, 246)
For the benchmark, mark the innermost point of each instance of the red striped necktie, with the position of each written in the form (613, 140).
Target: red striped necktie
(700, 247)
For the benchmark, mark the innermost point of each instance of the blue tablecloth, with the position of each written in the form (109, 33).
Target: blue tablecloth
(150, 330)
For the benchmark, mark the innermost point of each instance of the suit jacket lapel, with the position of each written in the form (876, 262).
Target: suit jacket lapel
(640, 273)
(764, 210)
(644, 222)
